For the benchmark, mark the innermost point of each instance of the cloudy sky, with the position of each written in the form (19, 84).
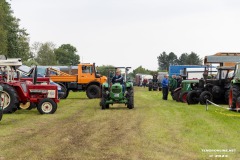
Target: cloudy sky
(133, 32)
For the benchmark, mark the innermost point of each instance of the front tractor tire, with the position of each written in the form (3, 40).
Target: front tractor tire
(233, 95)
(10, 99)
(130, 97)
(193, 97)
(93, 91)
(103, 101)
(47, 106)
(204, 96)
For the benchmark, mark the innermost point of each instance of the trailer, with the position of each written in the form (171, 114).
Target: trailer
(191, 71)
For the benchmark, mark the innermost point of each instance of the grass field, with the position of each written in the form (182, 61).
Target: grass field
(154, 129)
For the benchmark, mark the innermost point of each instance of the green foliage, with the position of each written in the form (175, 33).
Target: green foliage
(103, 70)
(142, 70)
(30, 62)
(164, 60)
(66, 55)
(46, 55)
(14, 41)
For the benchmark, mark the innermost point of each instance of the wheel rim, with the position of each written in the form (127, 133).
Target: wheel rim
(6, 99)
(230, 98)
(184, 98)
(47, 107)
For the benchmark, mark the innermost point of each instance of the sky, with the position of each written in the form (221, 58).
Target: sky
(132, 33)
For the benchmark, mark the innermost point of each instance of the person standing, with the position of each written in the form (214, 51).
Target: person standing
(172, 84)
(179, 81)
(165, 87)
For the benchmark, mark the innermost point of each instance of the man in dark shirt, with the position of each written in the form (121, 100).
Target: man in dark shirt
(118, 78)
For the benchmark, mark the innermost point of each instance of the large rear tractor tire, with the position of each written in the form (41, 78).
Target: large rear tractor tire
(226, 96)
(93, 91)
(193, 97)
(204, 96)
(183, 97)
(10, 99)
(176, 95)
(233, 95)
(47, 106)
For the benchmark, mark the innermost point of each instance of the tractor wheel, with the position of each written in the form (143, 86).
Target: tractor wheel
(233, 94)
(149, 88)
(176, 95)
(32, 105)
(47, 106)
(192, 97)
(216, 92)
(183, 97)
(103, 101)
(130, 97)
(238, 103)
(93, 91)
(10, 99)
(204, 96)
(65, 90)
(1, 113)
(226, 96)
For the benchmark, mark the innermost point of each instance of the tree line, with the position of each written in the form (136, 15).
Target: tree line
(14, 43)
(165, 60)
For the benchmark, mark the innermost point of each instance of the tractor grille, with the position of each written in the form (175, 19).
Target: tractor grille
(116, 90)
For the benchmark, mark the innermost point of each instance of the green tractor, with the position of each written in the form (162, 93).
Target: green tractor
(180, 93)
(234, 93)
(117, 93)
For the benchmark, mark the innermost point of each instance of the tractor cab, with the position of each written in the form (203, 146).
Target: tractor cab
(118, 89)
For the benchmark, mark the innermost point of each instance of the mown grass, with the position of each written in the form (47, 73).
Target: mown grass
(154, 129)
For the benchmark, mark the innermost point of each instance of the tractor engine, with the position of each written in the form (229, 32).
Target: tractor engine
(116, 92)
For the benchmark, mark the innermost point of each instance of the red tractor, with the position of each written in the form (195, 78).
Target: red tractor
(21, 93)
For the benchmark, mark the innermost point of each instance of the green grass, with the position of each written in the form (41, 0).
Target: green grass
(154, 129)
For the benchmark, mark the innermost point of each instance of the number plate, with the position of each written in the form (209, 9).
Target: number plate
(116, 95)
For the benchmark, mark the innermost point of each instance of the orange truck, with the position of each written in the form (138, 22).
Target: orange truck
(87, 79)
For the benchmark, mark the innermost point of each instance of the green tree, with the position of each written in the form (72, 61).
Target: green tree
(66, 55)
(3, 31)
(183, 59)
(141, 70)
(172, 59)
(46, 55)
(14, 41)
(103, 70)
(163, 61)
(193, 59)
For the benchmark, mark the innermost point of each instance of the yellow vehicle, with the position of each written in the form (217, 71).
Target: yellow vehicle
(87, 79)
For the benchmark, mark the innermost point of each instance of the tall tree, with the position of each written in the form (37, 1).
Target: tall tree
(16, 38)
(163, 61)
(3, 31)
(193, 59)
(172, 59)
(183, 59)
(66, 55)
(46, 55)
